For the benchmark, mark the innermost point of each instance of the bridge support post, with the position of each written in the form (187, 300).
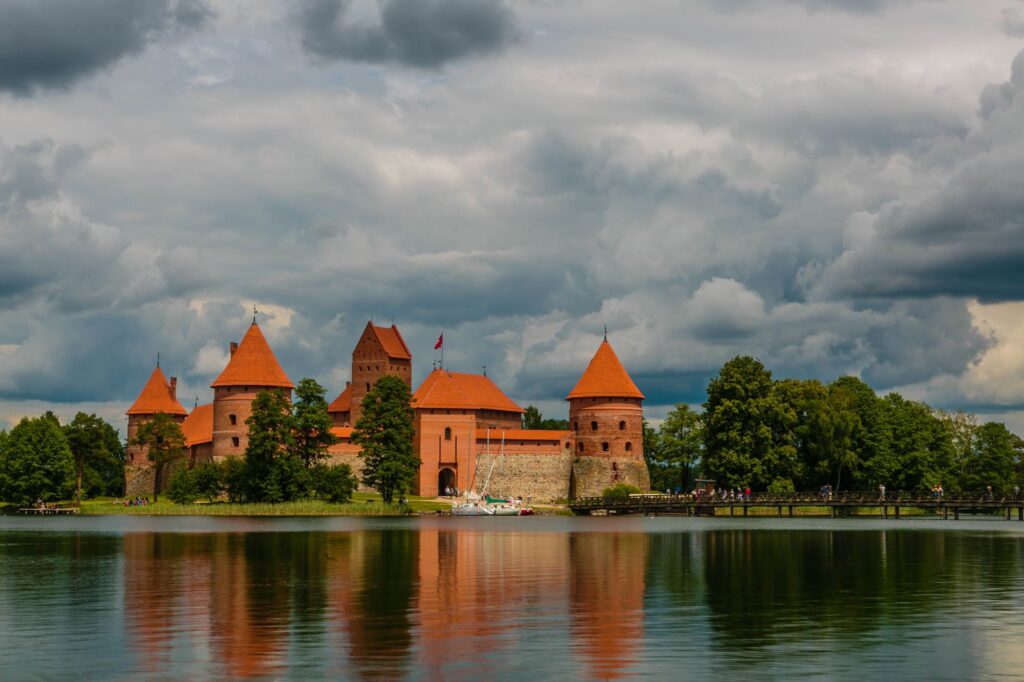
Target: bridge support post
(732, 510)
(1020, 514)
(1008, 510)
(945, 513)
(790, 511)
(956, 513)
(885, 512)
(897, 510)
(744, 510)
(779, 510)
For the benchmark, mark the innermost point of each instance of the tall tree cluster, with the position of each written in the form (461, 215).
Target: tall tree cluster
(42, 460)
(384, 433)
(762, 432)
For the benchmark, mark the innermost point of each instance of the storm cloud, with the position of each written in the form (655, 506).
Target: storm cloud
(54, 43)
(418, 33)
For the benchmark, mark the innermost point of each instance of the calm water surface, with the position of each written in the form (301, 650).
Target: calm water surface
(522, 599)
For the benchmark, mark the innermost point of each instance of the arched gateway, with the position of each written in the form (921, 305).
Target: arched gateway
(445, 479)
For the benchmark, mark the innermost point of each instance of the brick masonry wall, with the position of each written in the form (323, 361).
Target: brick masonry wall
(591, 475)
(541, 477)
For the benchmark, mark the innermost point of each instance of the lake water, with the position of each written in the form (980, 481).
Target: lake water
(129, 598)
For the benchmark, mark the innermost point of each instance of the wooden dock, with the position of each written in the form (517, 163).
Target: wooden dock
(48, 511)
(841, 505)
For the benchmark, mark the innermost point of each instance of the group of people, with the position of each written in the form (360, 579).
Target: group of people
(937, 491)
(451, 491)
(137, 501)
(725, 494)
(825, 491)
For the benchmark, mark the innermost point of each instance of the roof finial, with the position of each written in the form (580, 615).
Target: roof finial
(485, 370)
(195, 403)
(158, 358)
(254, 313)
(606, 332)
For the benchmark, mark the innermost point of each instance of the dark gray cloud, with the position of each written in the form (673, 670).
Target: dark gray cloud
(858, 6)
(963, 238)
(419, 33)
(54, 43)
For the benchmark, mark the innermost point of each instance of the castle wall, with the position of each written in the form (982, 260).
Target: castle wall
(440, 449)
(591, 475)
(540, 476)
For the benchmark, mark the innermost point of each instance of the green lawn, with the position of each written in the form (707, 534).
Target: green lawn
(363, 504)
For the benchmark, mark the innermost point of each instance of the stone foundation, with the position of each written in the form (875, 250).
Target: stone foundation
(591, 475)
(139, 480)
(355, 462)
(541, 477)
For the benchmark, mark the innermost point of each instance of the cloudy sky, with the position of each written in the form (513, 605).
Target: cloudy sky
(834, 186)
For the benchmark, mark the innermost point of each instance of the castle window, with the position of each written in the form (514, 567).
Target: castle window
(367, 387)
(604, 447)
(234, 419)
(234, 441)
(622, 426)
(575, 426)
(629, 447)
(447, 433)
(593, 426)
(581, 447)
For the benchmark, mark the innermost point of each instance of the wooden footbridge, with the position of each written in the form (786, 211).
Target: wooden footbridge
(839, 505)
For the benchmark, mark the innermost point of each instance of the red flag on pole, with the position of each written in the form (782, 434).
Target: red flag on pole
(440, 341)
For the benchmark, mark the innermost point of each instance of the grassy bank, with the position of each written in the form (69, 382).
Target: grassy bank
(363, 504)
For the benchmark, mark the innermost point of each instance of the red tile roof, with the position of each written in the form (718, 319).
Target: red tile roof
(343, 403)
(156, 397)
(605, 377)
(253, 364)
(392, 342)
(453, 390)
(342, 431)
(521, 434)
(198, 426)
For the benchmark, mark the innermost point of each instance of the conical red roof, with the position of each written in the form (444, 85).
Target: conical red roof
(605, 377)
(156, 397)
(253, 364)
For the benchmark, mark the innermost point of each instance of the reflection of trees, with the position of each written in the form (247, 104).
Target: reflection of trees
(380, 622)
(607, 599)
(766, 587)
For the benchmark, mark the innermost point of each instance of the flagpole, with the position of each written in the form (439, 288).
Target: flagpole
(442, 349)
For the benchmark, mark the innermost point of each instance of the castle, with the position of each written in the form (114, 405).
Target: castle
(466, 428)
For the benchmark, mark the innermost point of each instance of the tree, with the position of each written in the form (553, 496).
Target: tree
(681, 444)
(920, 449)
(312, 423)
(37, 462)
(385, 434)
(993, 460)
(533, 419)
(182, 486)
(96, 448)
(738, 424)
(273, 472)
(164, 443)
(961, 427)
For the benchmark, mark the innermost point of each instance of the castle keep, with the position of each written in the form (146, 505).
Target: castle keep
(466, 428)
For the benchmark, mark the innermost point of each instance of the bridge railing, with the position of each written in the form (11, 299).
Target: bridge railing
(804, 498)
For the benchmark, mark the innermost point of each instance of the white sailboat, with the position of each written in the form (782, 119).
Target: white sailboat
(483, 504)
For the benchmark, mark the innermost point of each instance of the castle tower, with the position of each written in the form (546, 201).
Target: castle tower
(158, 395)
(251, 369)
(606, 419)
(381, 351)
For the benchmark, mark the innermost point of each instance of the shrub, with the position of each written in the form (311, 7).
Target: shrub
(182, 487)
(781, 486)
(333, 483)
(619, 492)
(234, 479)
(209, 480)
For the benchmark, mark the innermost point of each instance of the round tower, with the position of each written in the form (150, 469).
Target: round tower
(157, 396)
(606, 417)
(253, 368)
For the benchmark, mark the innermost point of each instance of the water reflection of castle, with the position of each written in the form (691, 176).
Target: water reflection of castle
(379, 604)
(460, 420)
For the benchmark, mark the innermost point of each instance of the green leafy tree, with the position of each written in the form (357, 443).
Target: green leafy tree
(657, 467)
(209, 479)
(994, 459)
(868, 458)
(97, 450)
(233, 472)
(619, 492)
(961, 428)
(740, 416)
(334, 483)
(843, 422)
(37, 462)
(165, 444)
(312, 423)
(385, 433)
(533, 419)
(273, 472)
(681, 445)
(920, 450)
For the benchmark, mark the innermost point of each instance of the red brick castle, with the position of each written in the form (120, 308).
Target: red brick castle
(465, 426)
